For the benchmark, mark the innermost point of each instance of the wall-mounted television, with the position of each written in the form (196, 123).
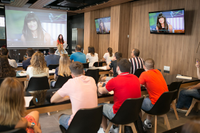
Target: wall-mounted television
(167, 22)
(102, 25)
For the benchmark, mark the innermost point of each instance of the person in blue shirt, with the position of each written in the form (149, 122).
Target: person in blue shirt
(78, 55)
(29, 53)
(52, 59)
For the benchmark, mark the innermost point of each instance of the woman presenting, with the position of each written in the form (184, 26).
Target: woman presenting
(162, 26)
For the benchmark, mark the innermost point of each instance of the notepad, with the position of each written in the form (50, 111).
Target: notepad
(27, 100)
(22, 73)
(52, 71)
(183, 77)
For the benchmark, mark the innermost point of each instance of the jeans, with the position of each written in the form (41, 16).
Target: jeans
(186, 96)
(108, 111)
(64, 119)
(146, 104)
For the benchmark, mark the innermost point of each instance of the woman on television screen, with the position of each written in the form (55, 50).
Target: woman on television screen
(33, 33)
(162, 26)
(60, 40)
(102, 27)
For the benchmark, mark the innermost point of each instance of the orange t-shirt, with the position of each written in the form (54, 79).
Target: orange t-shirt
(155, 84)
(58, 42)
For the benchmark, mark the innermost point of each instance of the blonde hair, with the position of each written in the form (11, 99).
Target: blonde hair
(12, 101)
(38, 63)
(64, 63)
(60, 48)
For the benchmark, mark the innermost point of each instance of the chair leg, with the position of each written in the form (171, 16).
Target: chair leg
(108, 128)
(155, 128)
(133, 128)
(174, 108)
(167, 121)
(191, 106)
(48, 113)
(144, 116)
(122, 126)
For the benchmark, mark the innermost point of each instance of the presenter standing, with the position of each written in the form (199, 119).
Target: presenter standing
(61, 41)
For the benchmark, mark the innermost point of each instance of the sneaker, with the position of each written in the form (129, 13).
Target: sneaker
(183, 110)
(147, 124)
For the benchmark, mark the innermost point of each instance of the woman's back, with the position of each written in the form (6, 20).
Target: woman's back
(92, 58)
(5, 69)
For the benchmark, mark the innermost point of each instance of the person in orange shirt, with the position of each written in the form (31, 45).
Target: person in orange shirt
(155, 84)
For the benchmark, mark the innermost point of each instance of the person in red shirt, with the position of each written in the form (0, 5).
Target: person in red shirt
(155, 84)
(60, 40)
(125, 86)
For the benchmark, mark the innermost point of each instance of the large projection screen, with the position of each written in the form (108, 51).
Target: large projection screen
(34, 28)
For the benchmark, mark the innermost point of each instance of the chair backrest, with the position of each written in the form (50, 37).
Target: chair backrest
(61, 81)
(99, 63)
(86, 65)
(87, 120)
(93, 73)
(38, 83)
(53, 66)
(1, 80)
(129, 111)
(17, 130)
(138, 72)
(162, 105)
(174, 86)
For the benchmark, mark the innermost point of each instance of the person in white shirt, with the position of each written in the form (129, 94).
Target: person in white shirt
(91, 56)
(108, 56)
(12, 62)
(38, 67)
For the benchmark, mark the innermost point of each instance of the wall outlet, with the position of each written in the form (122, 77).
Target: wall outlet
(166, 69)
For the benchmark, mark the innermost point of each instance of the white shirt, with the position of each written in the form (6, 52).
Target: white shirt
(92, 59)
(13, 63)
(30, 69)
(108, 58)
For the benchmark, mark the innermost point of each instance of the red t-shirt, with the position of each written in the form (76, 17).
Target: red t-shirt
(155, 84)
(124, 86)
(58, 42)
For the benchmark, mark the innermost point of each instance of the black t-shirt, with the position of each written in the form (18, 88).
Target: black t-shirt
(6, 128)
(113, 65)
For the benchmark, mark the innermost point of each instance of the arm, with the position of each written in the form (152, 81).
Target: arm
(56, 98)
(47, 38)
(195, 87)
(197, 65)
(170, 28)
(108, 66)
(35, 128)
(55, 77)
(157, 29)
(101, 89)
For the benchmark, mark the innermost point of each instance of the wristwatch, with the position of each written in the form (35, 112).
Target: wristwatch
(32, 125)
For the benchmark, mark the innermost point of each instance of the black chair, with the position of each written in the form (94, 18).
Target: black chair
(138, 72)
(1, 80)
(99, 63)
(53, 66)
(86, 65)
(38, 83)
(17, 130)
(61, 81)
(127, 114)
(161, 107)
(194, 101)
(93, 73)
(175, 130)
(174, 86)
(85, 120)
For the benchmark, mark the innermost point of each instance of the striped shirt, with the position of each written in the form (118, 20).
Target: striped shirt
(136, 63)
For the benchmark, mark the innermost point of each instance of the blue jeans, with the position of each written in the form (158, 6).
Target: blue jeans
(186, 96)
(146, 104)
(64, 120)
(108, 111)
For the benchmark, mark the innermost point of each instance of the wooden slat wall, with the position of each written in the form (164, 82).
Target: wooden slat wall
(176, 51)
(87, 25)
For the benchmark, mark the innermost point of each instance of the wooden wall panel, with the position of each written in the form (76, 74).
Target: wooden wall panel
(87, 29)
(176, 51)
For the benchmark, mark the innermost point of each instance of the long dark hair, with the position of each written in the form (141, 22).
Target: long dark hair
(27, 32)
(61, 41)
(5, 69)
(110, 51)
(102, 29)
(91, 50)
(165, 22)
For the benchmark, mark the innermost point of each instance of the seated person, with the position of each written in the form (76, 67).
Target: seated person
(186, 96)
(108, 56)
(12, 62)
(155, 84)
(125, 86)
(63, 69)
(60, 50)
(12, 108)
(29, 53)
(5, 69)
(192, 126)
(78, 55)
(81, 90)
(52, 58)
(91, 56)
(38, 67)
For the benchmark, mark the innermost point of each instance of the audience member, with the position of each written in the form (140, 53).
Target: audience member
(186, 96)
(155, 84)
(12, 62)
(136, 61)
(192, 126)
(91, 56)
(63, 69)
(52, 59)
(108, 56)
(60, 50)
(12, 108)
(29, 53)
(38, 67)
(5, 69)
(81, 90)
(125, 86)
(78, 55)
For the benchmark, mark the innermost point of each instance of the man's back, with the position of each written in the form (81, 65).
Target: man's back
(26, 63)
(155, 84)
(78, 56)
(136, 63)
(52, 59)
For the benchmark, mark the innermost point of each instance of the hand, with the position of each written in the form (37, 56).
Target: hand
(197, 64)
(100, 84)
(37, 129)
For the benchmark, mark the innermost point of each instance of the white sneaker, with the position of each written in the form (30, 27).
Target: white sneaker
(112, 130)
(100, 130)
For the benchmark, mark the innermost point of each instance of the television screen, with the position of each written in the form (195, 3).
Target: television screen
(171, 21)
(102, 25)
